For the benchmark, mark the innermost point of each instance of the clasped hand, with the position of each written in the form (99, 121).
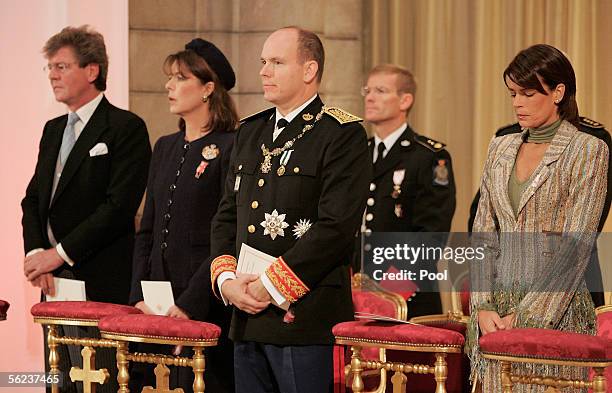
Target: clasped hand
(247, 293)
(490, 321)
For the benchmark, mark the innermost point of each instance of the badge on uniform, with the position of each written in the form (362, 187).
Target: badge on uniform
(307, 116)
(440, 173)
(301, 227)
(237, 183)
(274, 224)
(210, 152)
(399, 211)
(200, 169)
(398, 178)
(283, 161)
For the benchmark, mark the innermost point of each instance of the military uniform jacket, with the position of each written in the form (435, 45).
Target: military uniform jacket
(306, 216)
(413, 187)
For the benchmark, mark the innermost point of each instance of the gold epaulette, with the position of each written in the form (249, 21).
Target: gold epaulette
(429, 143)
(341, 116)
(585, 121)
(256, 115)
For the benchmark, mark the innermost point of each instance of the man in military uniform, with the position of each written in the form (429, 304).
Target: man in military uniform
(412, 188)
(593, 271)
(296, 189)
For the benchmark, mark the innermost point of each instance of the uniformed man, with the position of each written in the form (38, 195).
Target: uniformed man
(593, 271)
(296, 189)
(412, 188)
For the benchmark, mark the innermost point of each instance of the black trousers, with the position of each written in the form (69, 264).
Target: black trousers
(267, 368)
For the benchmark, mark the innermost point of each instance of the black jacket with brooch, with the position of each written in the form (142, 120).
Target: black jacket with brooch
(173, 242)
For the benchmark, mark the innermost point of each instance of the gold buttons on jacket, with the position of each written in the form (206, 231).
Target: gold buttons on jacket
(240, 167)
(254, 205)
(372, 186)
(296, 169)
(251, 228)
(261, 182)
(370, 202)
(369, 217)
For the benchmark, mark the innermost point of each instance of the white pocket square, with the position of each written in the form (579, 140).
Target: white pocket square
(98, 150)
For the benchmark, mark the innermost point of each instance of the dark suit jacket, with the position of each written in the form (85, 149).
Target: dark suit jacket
(324, 184)
(93, 208)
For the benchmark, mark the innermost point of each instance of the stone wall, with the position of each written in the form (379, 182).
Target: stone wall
(239, 28)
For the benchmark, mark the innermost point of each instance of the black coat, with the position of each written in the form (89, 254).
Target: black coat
(325, 184)
(93, 208)
(173, 248)
(420, 200)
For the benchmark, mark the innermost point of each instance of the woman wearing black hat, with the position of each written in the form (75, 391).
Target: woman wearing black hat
(186, 179)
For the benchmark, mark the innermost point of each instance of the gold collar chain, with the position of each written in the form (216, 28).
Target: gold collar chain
(266, 165)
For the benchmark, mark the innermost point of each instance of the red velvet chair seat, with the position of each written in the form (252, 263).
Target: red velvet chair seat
(76, 310)
(159, 327)
(397, 334)
(547, 344)
(4, 306)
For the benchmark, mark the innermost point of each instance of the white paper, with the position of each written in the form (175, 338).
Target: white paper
(157, 296)
(253, 261)
(67, 289)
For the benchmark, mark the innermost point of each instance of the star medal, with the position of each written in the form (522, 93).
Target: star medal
(210, 152)
(200, 169)
(274, 224)
(398, 178)
(301, 227)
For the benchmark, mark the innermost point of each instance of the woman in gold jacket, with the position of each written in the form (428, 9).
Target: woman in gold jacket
(543, 192)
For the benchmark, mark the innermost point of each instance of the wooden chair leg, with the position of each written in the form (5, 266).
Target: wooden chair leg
(599, 380)
(506, 377)
(440, 372)
(123, 376)
(199, 364)
(356, 369)
(53, 355)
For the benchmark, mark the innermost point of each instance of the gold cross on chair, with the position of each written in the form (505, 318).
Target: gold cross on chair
(88, 374)
(162, 385)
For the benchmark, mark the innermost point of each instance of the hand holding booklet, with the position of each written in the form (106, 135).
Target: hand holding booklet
(67, 289)
(157, 296)
(253, 261)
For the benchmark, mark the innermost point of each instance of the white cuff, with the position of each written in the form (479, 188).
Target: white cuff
(34, 251)
(62, 253)
(221, 279)
(276, 295)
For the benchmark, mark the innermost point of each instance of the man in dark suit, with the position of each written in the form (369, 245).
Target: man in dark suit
(413, 187)
(593, 271)
(295, 190)
(79, 208)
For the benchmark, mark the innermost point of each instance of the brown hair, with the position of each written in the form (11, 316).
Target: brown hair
(223, 114)
(310, 47)
(406, 84)
(549, 64)
(88, 46)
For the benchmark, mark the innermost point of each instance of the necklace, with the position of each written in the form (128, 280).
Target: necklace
(266, 165)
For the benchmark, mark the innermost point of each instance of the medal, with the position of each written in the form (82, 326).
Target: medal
(441, 173)
(283, 161)
(266, 165)
(210, 152)
(281, 170)
(274, 224)
(399, 212)
(200, 169)
(301, 227)
(398, 178)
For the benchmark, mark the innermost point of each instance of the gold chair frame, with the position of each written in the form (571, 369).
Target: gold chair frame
(88, 375)
(197, 362)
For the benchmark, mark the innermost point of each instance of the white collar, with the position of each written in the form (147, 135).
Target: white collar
(391, 138)
(291, 115)
(86, 111)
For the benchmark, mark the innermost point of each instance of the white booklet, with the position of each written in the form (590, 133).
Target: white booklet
(67, 289)
(157, 296)
(253, 261)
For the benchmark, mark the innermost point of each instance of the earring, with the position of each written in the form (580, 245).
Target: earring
(205, 99)
(557, 101)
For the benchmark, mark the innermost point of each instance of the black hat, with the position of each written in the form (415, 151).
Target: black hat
(215, 59)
